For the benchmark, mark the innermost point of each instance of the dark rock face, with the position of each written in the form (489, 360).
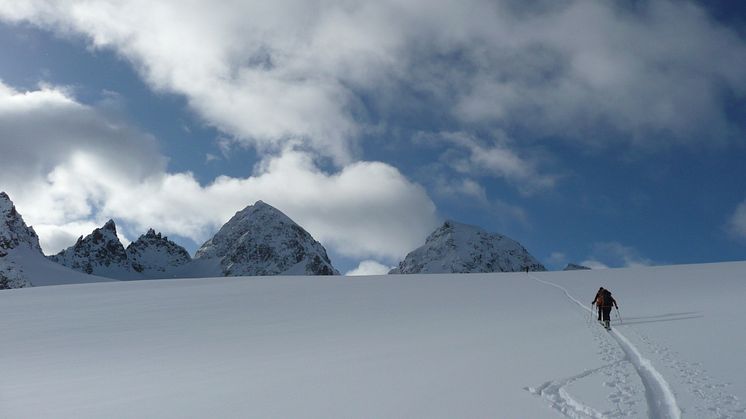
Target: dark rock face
(15, 237)
(99, 253)
(261, 240)
(13, 230)
(462, 248)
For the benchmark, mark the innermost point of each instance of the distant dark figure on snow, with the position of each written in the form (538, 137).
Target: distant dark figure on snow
(604, 301)
(526, 269)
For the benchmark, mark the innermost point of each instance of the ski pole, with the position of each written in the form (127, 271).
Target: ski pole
(619, 315)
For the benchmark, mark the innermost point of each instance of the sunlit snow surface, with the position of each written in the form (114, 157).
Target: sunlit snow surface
(481, 345)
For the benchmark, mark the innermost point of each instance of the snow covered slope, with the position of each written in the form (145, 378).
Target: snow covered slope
(260, 240)
(22, 263)
(153, 255)
(461, 248)
(501, 345)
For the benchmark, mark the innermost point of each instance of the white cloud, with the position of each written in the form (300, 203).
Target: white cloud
(470, 156)
(737, 222)
(557, 260)
(594, 264)
(81, 169)
(57, 237)
(615, 254)
(369, 267)
(269, 73)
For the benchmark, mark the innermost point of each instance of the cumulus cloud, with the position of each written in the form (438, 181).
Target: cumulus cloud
(557, 260)
(648, 74)
(369, 267)
(470, 156)
(616, 255)
(73, 168)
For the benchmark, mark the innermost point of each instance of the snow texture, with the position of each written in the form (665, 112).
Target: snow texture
(461, 248)
(498, 345)
(261, 240)
(154, 255)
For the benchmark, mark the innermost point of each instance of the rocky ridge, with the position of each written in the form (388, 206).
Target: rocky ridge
(153, 255)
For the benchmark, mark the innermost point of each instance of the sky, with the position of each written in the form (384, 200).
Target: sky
(608, 133)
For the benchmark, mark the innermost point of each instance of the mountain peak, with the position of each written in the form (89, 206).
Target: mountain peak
(13, 230)
(153, 254)
(575, 267)
(99, 253)
(262, 240)
(456, 247)
(110, 225)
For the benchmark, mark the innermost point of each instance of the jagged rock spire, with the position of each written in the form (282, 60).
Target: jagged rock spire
(13, 230)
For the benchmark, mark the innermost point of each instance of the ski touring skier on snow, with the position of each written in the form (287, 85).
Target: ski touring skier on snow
(604, 301)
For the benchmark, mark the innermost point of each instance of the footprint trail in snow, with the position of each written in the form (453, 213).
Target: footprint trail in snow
(661, 402)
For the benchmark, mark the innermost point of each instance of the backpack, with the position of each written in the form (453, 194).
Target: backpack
(606, 299)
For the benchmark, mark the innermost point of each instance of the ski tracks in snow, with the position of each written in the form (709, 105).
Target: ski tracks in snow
(714, 401)
(661, 403)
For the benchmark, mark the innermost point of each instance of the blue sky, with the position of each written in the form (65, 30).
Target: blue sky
(590, 132)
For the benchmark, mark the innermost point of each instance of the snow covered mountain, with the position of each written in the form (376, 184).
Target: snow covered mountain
(575, 267)
(261, 240)
(14, 235)
(102, 253)
(99, 253)
(153, 255)
(22, 263)
(461, 248)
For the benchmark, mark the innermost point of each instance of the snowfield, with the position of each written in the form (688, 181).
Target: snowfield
(508, 345)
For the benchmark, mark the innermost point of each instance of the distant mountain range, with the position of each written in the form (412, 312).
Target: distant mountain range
(257, 241)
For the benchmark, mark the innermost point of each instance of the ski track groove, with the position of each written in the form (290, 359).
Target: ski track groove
(658, 394)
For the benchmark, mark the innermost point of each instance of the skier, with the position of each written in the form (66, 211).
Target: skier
(597, 300)
(607, 301)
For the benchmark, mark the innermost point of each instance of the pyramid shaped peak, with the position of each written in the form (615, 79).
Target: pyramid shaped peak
(6, 205)
(13, 230)
(260, 210)
(453, 224)
(110, 225)
(261, 205)
(456, 247)
(262, 240)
